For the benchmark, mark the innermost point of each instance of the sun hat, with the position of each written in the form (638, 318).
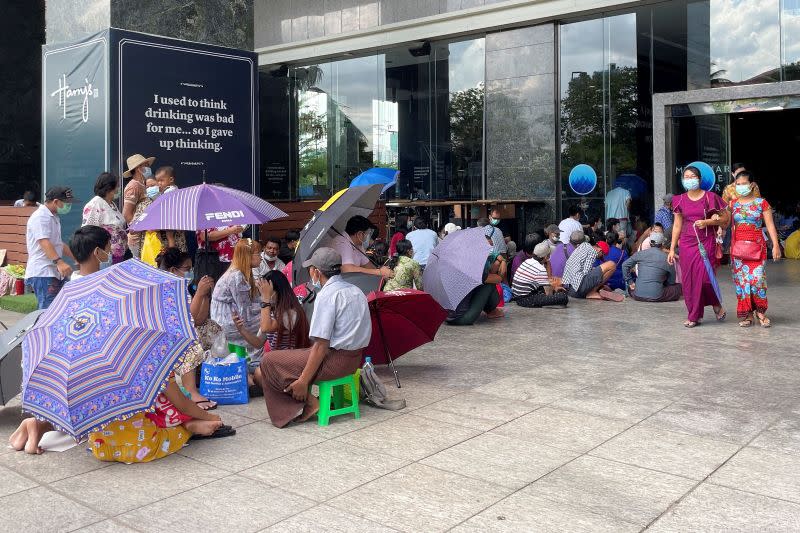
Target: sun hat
(134, 161)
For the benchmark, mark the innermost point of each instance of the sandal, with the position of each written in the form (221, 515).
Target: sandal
(211, 405)
(720, 316)
(222, 431)
(763, 320)
(690, 324)
(611, 295)
(255, 391)
(746, 323)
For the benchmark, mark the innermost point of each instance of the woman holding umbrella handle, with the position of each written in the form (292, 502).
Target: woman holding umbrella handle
(695, 232)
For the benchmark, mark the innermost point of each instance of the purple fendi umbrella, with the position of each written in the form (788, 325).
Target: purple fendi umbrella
(456, 265)
(204, 207)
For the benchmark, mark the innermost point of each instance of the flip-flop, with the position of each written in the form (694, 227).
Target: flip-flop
(691, 324)
(612, 296)
(220, 432)
(212, 403)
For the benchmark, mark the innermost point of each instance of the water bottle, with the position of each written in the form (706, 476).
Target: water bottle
(368, 362)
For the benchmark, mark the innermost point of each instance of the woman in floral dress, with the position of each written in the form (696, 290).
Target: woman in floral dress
(101, 211)
(750, 214)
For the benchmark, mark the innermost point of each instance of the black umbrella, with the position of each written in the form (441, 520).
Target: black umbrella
(331, 219)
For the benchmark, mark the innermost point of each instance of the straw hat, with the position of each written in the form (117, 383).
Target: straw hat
(134, 161)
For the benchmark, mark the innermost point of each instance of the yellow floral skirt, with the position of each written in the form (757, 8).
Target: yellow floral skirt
(136, 440)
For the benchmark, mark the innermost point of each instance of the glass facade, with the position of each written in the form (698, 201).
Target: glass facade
(419, 108)
(416, 109)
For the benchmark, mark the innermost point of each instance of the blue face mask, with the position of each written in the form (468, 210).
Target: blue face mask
(64, 209)
(108, 262)
(152, 192)
(690, 184)
(316, 283)
(147, 172)
(495, 221)
(188, 276)
(743, 190)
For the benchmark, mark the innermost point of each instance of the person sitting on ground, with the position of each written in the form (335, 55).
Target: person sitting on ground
(179, 263)
(584, 280)
(141, 438)
(407, 272)
(531, 240)
(352, 247)
(613, 252)
(595, 229)
(483, 298)
(269, 258)
(532, 276)
(289, 245)
(571, 224)
(561, 252)
(236, 294)
(423, 241)
(511, 246)
(340, 329)
(283, 323)
(28, 200)
(655, 281)
(91, 247)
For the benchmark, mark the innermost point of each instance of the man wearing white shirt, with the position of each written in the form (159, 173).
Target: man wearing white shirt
(570, 224)
(423, 241)
(46, 269)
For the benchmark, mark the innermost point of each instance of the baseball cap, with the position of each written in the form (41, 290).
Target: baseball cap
(552, 228)
(657, 238)
(542, 249)
(60, 193)
(577, 236)
(603, 245)
(324, 259)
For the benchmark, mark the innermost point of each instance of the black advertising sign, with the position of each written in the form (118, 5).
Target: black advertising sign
(192, 106)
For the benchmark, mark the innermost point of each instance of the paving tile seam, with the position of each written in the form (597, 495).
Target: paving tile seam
(753, 493)
(321, 504)
(113, 520)
(675, 503)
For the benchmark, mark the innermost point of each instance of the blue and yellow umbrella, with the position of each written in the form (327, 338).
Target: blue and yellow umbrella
(105, 347)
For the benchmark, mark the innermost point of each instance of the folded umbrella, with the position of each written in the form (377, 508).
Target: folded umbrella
(456, 266)
(382, 176)
(712, 278)
(401, 321)
(331, 218)
(105, 347)
(203, 207)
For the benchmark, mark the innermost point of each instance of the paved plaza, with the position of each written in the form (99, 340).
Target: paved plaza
(599, 417)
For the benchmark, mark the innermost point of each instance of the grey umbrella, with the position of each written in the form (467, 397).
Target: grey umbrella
(456, 265)
(331, 219)
(11, 356)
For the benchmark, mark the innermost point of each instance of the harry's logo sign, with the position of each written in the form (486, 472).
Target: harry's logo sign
(65, 92)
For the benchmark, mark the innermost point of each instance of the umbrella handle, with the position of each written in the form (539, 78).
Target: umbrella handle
(386, 348)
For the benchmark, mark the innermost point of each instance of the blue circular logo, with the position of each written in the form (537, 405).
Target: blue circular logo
(707, 176)
(582, 179)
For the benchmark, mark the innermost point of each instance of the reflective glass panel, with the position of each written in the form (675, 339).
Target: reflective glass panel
(790, 39)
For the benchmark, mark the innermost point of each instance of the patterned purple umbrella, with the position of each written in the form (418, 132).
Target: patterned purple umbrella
(203, 207)
(104, 348)
(455, 266)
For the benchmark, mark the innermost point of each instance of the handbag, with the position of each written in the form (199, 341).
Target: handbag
(747, 250)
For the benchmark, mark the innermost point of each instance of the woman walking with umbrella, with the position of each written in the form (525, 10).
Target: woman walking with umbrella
(697, 214)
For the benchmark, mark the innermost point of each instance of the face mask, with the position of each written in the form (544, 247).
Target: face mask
(269, 258)
(743, 190)
(64, 209)
(409, 224)
(147, 172)
(152, 192)
(554, 239)
(107, 263)
(188, 275)
(494, 221)
(365, 242)
(316, 283)
(690, 184)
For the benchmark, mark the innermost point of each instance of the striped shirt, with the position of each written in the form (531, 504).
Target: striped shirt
(530, 275)
(578, 265)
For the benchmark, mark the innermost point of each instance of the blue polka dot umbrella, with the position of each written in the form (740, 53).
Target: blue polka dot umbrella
(105, 347)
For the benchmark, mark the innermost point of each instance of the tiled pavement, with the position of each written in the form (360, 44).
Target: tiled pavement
(600, 417)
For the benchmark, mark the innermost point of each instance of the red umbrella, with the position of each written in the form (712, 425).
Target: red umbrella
(401, 321)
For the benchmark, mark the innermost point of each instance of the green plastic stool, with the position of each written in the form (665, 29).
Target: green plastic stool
(340, 406)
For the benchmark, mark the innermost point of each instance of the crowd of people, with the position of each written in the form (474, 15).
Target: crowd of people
(254, 304)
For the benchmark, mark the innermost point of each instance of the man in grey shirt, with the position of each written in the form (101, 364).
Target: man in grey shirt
(655, 281)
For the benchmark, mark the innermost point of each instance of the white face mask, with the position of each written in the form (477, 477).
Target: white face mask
(268, 257)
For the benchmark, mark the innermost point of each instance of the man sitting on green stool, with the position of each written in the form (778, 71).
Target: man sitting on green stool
(340, 330)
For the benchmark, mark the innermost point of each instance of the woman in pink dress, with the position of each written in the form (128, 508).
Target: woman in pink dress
(694, 221)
